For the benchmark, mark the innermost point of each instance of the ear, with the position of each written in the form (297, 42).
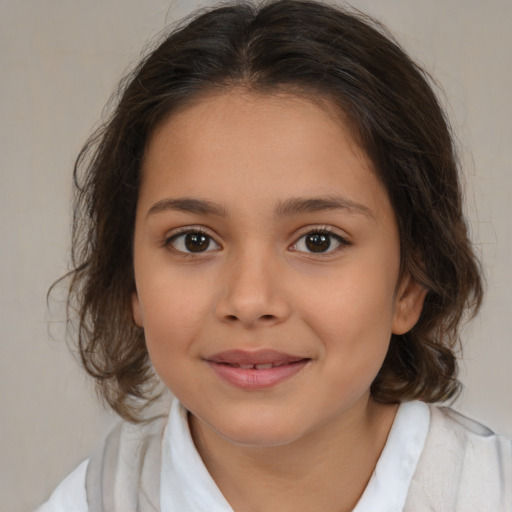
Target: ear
(408, 304)
(137, 311)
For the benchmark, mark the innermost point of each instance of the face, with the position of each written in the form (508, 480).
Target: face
(266, 259)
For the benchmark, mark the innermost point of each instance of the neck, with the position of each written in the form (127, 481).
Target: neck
(327, 469)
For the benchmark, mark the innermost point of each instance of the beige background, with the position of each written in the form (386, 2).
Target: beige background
(60, 60)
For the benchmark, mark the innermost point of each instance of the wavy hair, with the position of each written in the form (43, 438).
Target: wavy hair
(306, 48)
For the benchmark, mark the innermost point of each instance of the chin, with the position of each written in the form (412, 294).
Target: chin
(260, 436)
(257, 428)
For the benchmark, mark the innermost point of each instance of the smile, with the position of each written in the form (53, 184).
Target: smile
(262, 366)
(256, 370)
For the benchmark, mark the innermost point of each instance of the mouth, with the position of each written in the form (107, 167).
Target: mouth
(249, 359)
(261, 366)
(256, 370)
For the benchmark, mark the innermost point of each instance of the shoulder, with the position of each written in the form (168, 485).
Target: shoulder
(464, 466)
(445, 417)
(123, 472)
(70, 495)
(476, 443)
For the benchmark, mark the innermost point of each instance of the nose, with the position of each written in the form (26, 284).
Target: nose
(253, 292)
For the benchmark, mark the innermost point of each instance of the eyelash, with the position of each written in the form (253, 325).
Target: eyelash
(322, 231)
(328, 233)
(168, 242)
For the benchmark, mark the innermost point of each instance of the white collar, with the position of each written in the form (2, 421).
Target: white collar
(186, 485)
(389, 485)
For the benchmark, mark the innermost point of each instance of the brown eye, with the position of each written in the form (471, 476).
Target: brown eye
(196, 242)
(192, 242)
(319, 242)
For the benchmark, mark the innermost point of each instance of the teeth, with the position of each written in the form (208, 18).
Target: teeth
(262, 366)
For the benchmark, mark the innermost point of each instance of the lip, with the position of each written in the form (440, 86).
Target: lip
(238, 367)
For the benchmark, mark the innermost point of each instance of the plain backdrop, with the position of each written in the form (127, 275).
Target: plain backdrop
(60, 60)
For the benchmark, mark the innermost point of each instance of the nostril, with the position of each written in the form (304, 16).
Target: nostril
(260, 318)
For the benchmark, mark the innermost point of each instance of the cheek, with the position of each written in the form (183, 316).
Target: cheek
(350, 307)
(172, 314)
(169, 332)
(353, 319)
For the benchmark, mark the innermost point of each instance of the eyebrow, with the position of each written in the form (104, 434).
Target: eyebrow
(297, 206)
(287, 208)
(188, 205)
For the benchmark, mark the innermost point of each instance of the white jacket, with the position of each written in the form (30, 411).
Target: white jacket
(435, 460)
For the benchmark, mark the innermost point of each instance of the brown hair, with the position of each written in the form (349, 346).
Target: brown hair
(310, 49)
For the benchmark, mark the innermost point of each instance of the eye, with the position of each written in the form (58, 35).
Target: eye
(192, 241)
(320, 241)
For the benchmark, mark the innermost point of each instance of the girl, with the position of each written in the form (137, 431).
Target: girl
(271, 223)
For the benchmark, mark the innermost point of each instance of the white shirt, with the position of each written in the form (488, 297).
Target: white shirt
(186, 485)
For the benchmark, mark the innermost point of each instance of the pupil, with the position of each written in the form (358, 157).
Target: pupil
(317, 242)
(196, 242)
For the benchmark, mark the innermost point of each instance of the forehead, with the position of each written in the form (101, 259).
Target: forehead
(261, 148)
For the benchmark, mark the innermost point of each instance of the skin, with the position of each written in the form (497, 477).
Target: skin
(312, 441)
